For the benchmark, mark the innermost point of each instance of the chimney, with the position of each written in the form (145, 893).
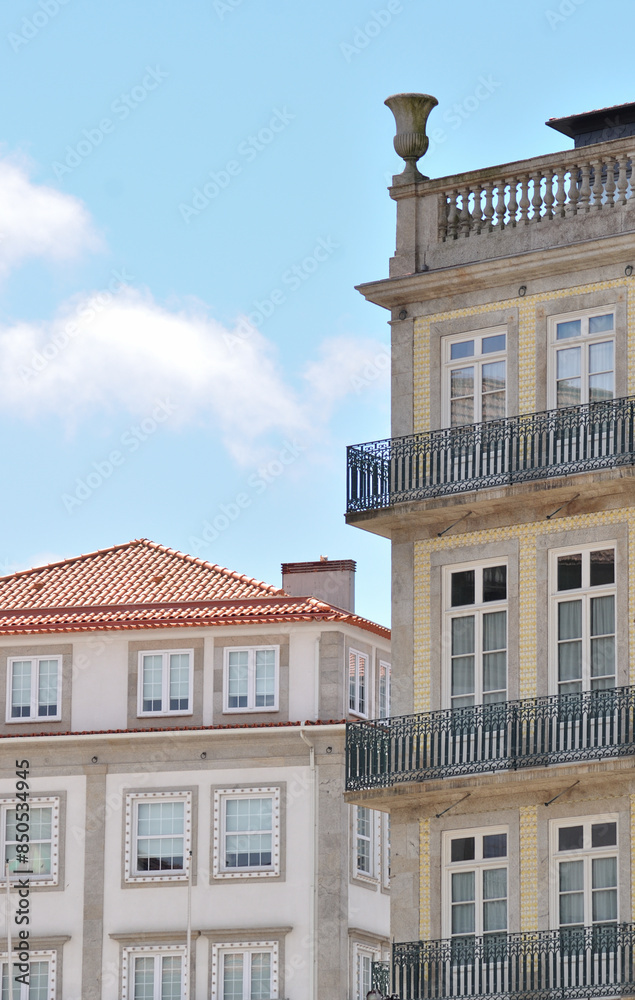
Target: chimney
(330, 580)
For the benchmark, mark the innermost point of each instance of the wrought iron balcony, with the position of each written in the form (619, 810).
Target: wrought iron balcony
(495, 453)
(501, 737)
(567, 964)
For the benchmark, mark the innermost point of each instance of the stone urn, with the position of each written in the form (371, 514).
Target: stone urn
(411, 115)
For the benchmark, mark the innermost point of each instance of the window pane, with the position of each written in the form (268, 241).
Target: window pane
(495, 915)
(260, 976)
(171, 978)
(159, 848)
(144, 978)
(495, 883)
(233, 977)
(179, 682)
(461, 382)
(265, 678)
(494, 343)
(494, 583)
(464, 349)
(601, 357)
(463, 588)
(599, 324)
(604, 873)
(571, 328)
(572, 908)
(462, 849)
(249, 829)
(569, 392)
(462, 635)
(493, 406)
(601, 387)
(462, 886)
(570, 619)
(238, 678)
(494, 630)
(38, 981)
(493, 376)
(603, 615)
(152, 683)
(21, 689)
(570, 571)
(462, 411)
(571, 876)
(494, 845)
(47, 688)
(603, 834)
(570, 838)
(602, 567)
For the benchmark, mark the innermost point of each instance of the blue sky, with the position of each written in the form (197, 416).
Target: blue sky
(189, 193)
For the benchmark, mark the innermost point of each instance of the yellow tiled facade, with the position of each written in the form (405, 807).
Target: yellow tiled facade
(528, 868)
(527, 535)
(425, 895)
(526, 344)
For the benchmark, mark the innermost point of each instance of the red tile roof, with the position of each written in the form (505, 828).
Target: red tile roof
(181, 729)
(138, 572)
(142, 585)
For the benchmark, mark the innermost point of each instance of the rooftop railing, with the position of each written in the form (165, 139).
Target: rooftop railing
(516, 449)
(565, 964)
(501, 737)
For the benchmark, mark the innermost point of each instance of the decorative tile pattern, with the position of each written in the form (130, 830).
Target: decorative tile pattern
(528, 868)
(526, 535)
(425, 901)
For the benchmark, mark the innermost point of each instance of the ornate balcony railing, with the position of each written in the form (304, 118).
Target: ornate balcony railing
(495, 453)
(501, 737)
(380, 980)
(559, 964)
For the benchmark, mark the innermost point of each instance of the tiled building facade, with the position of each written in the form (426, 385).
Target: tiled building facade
(508, 494)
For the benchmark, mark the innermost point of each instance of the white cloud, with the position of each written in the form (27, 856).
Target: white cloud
(347, 365)
(38, 221)
(123, 352)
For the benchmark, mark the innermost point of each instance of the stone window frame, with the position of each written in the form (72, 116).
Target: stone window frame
(36, 956)
(372, 879)
(11, 720)
(566, 305)
(245, 943)
(615, 534)
(130, 878)
(562, 821)
(462, 611)
(194, 715)
(459, 327)
(445, 561)
(49, 650)
(166, 652)
(362, 943)
(480, 865)
(56, 879)
(584, 594)
(238, 641)
(131, 952)
(222, 792)
(250, 648)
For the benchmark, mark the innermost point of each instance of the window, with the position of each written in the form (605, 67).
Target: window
(585, 852)
(165, 682)
(358, 686)
(246, 832)
(385, 850)
(158, 835)
(251, 679)
(475, 378)
(363, 958)
(34, 688)
(583, 619)
(476, 884)
(366, 843)
(582, 358)
(476, 623)
(384, 690)
(42, 819)
(41, 978)
(154, 973)
(245, 971)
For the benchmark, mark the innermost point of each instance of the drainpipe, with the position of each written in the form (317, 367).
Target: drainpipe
(314, 864)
